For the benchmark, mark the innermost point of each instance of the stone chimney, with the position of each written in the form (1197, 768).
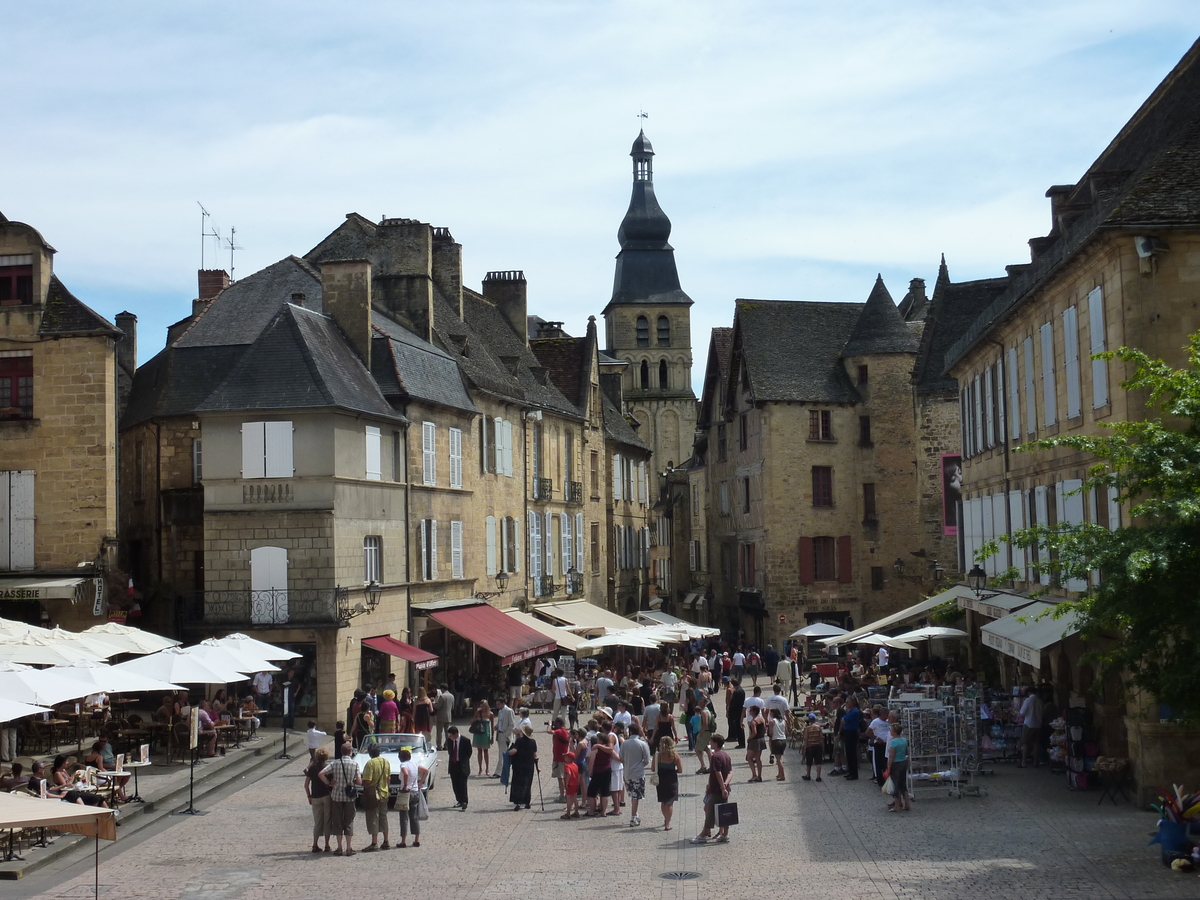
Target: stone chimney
(211, 283)
(507, 291)
(404, 280)
(346, 295)
(127, 344)
(550, 329)
(446, 268)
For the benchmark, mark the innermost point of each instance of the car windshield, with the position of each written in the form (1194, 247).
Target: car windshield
(391, 743)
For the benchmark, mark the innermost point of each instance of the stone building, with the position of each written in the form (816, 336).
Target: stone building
(1119, 266)
(64, 371)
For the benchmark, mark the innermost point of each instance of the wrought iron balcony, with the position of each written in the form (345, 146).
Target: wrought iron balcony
(574, 491)
(546, 586)
(264, 609)
(543, 488)
(574, 583)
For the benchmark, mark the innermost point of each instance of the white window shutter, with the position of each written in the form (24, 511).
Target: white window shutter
(424, 550)
(1099, 344)
(1041, 507)
(254, 450)
(497, 447)
(489, 529)
(433, 565)
(549, 544)
(1030, 401)
(456, 548)
(374, 462)
(1072, 512)
(616, 548)
(568, 549)
(617, 476)
(456, 473)
(21, 517)
(535, 548)
(485, 448)
(516, 536)
(1114, 510)
(645, 548)
(1014, 396)
(429, 452)
(643, 483)
(1016, 521)
(278, 438)
(1071, 360)
(508, 448)
(5, 520)
(579, 541)
(1049, 383)
(505, 564)
(989, 408)
(692, 567)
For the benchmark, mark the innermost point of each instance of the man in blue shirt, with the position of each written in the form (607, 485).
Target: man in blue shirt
(851, 723)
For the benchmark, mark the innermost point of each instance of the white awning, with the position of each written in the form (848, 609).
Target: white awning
(655, 617)
(994, 604)
(567, 640)
(32, 588)
(1023, 636)
(582, 616)
(917, 609)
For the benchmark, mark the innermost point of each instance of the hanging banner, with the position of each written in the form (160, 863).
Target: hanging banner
(98, 604)
(194, 727)
(952, 478)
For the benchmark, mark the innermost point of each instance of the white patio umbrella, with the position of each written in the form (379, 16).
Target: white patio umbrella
(112, 680)
(129, 639)
(929, 632)
(13, 628)
(228, 656)
(619, 639)
(818, 629)
(41, 651)
(877, 639)
(11, 709)
(179, 667)
(257, 648)
(94, 646)
(41, 687)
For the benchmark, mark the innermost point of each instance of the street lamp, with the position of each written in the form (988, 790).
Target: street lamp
(898, 565)
(373, 590)
(977, 579)
(501, 583)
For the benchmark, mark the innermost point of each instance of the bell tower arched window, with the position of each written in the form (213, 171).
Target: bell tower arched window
(643, 332)
(664, 331)
(645, 375)
(662, 375)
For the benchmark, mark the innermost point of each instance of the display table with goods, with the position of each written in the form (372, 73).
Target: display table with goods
(943, 742)
(1001, 740)
(1178, 828)
(1081, 749)
(1058, 746)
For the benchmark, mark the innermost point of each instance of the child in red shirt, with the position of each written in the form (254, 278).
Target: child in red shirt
(571, 776)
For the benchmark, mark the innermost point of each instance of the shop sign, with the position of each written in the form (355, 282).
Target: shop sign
(21, 593)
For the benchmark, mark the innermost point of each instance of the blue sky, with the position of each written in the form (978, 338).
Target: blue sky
(801, 147)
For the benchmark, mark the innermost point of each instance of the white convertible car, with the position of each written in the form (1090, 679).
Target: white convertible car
(422, 751)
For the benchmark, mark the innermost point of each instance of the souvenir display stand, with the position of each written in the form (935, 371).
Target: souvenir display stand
(1058, 746)
(1081, 749)
(943, 741)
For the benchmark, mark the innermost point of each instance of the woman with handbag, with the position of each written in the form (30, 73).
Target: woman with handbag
(481, 736)
(666, 767)
(897, 770)
(408, 801)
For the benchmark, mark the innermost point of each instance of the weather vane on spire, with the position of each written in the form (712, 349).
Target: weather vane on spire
(642, 114)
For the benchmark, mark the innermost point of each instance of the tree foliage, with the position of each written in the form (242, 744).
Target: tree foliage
(1144, 615)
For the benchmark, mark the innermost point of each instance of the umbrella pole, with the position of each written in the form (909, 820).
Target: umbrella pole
(97, 859)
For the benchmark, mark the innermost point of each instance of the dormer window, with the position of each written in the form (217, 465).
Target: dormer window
(16, 280)
(643, 332)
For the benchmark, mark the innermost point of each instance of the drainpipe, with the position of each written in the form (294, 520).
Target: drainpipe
(1002, 391)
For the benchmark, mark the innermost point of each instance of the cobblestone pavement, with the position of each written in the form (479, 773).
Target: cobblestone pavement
(1029, 838)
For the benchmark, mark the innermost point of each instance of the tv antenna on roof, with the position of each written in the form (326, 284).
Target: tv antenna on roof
(206, 223)
(232, 244)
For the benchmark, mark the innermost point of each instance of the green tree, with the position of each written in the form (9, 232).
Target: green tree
(1144, 615)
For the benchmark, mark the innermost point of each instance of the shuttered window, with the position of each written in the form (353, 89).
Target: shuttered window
(1071, 361)
(1099, 343)
(429, 562)
(568, 543)
(489, 533)
(456, 458)
(535, 551)
(549, 544)
(1014, 396)
(617, 479)
(579, 542)
(267, 450)
(429, 453)
(16, 519)
(456, 549)
(373, 449)
(1030, 401)
(489, 452)
(1049, 382)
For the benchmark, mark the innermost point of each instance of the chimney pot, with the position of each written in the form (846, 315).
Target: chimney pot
(211, 283)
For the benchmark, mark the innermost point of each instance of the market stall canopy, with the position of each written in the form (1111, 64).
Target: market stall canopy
(882, 640)
(930, 633)
(40, 687)
(179, 667)
(495, 632)
(129, 639)
(110, 679)
(422, 659)
(566, 640)
(582, 616)
(258, 648)
(229, 656)
(654, 617)
(11, 710)
(619, 639)
(41, 651)
(1023, 635)
(911, 612)
(19, 811)
(818, 629)
(994, 604)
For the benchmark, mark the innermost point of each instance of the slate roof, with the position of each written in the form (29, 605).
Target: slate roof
(952, 309)
(177, 381)
(880, 327)
(617, 427)
(407, 367)
(241, 311)
(792, 349)
(566, 363)
(64, 313)
(300, 361)
(716, 374)
(1148, 177)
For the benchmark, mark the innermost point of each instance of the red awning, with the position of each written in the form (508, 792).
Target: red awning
(423, 659)
(495, 632)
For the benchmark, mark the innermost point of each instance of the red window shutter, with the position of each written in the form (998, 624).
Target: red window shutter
(806, 560)
(844, 563)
